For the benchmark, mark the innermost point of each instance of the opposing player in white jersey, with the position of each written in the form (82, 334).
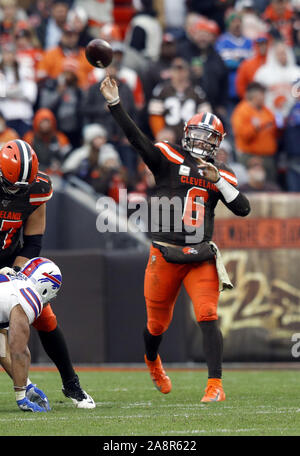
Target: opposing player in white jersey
(22, 298)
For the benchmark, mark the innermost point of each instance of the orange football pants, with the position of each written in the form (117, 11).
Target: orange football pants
(162, 285)
(46, 321)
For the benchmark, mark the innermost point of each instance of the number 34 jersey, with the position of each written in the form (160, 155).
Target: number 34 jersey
(15, 209)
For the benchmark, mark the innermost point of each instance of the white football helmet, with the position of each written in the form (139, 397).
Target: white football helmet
(45, 275)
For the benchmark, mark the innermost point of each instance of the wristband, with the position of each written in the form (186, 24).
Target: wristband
(227, 190)
(113, 102)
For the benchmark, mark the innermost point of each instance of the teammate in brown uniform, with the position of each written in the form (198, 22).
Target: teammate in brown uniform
(190, 173)
(23, 194)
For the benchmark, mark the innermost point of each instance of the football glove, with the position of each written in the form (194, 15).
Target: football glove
(26, 406)
(8, 271)
(37, 396)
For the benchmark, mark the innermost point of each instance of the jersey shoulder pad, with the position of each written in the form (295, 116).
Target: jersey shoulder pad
(173, 153)
(227, 173)
(41, 191)
(30, 302)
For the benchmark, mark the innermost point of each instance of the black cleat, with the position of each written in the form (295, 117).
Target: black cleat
(79, 397)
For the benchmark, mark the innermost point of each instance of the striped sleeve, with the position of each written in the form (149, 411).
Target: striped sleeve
(30, 303)
(42, 190)
(229, 176)
(170, 152)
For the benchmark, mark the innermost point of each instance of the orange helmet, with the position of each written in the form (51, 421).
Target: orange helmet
(18, 166)
(203, 134)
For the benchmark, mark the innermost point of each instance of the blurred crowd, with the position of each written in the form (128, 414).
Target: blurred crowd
(239, 59)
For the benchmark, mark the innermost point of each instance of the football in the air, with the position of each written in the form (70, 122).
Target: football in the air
(99, 53)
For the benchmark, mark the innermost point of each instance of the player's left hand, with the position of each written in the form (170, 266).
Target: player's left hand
(209, 171)
(8, 271)
(34, 394)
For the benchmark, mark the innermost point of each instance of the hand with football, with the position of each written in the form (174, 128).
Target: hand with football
(209, 171)
(110, 91)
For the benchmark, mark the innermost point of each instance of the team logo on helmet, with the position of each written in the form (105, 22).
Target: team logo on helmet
(55, 279)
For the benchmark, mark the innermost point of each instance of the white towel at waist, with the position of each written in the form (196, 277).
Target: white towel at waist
(224, 281)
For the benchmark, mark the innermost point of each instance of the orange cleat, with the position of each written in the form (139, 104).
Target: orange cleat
(214, 391)
(160, 379)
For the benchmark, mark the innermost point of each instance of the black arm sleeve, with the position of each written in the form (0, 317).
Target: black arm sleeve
(32, 246)
(239, 206)
(143, 145)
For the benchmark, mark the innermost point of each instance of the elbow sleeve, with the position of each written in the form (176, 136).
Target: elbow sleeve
(240, 205)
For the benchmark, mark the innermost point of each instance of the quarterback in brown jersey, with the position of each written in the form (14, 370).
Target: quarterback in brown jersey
(24, 192)
(191, 174)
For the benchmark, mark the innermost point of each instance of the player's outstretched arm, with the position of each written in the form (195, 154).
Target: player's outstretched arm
(150, 154)
(33, 393)
(18, 337)
(19, 332)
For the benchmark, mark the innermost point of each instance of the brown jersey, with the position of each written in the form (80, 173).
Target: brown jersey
(15, 209)
(177, 108)
(191, 212)
(185, 201)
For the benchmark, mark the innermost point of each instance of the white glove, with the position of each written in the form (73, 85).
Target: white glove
(8, 271)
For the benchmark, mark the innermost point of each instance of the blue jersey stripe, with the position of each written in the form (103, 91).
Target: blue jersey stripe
(4, 278)
(30, 302)
(39, 304)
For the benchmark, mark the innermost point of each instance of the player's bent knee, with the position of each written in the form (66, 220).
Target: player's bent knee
(156, 328)
(47, 320)
(207, 313)
(207, 310)
(46, 325)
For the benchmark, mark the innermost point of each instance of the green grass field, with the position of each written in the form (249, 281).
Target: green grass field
(259, 403)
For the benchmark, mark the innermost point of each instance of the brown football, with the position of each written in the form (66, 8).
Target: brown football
(99, 53)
